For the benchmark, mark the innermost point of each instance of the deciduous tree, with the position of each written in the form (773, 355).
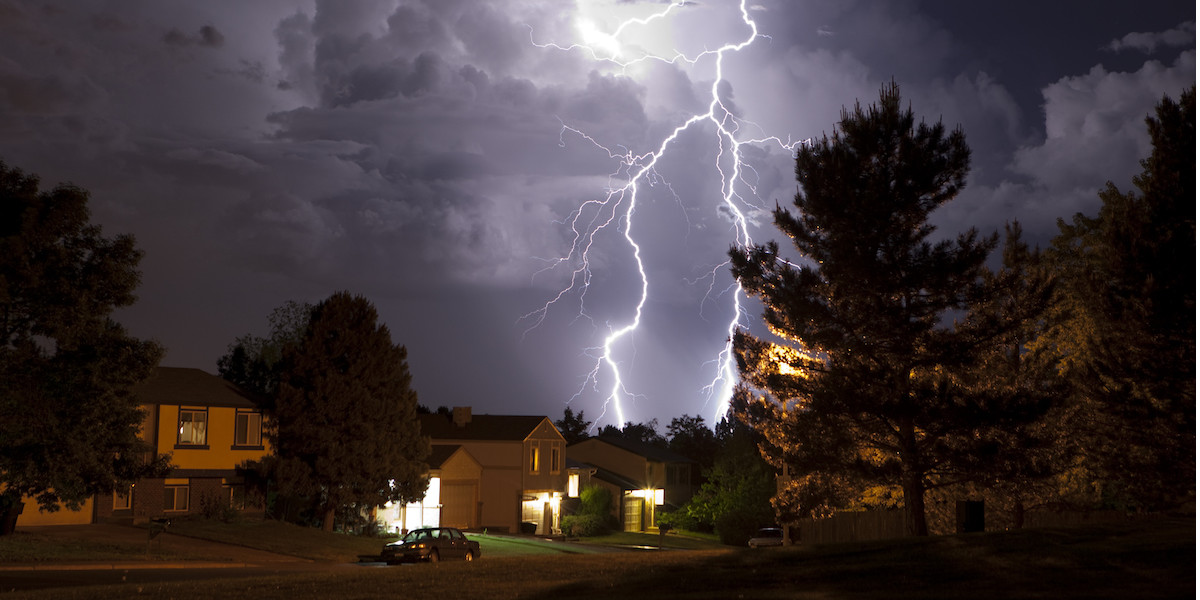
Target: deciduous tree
(254, 362)
(68, 419)
(573, 427)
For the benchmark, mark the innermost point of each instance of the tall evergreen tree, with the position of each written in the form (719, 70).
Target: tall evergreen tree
(345, 419)
(68, 418)
(864, 386)
(1127, 337)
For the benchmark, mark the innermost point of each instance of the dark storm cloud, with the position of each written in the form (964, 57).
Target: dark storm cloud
(206, 36)
(413, 151)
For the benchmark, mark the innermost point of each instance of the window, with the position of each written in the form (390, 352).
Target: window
(193, 427)
(573, 485)
(247, 428)
(533, 459)
(175, 498)
(554, 466)
(123, 500)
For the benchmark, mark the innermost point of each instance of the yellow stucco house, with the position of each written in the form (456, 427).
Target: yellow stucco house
(208, 425)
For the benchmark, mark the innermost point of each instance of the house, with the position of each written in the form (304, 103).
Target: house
(494, 472)
(209, 426)
(452, 469)
(640, 476)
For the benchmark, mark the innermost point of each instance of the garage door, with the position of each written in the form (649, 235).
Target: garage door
(458, 505)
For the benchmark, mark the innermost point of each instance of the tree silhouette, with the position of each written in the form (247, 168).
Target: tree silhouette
(864, 386)
(345, 419)
(1127, 333)
(572, 426)
(68, 419)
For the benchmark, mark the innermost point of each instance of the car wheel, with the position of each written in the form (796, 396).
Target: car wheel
(470, 556)
(433, 556)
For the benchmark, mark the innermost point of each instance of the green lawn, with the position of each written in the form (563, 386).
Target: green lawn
(1138, 560)
(29, 547)
(676, 541)
(282, 538)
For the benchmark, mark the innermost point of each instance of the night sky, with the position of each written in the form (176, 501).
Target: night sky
(431, 157)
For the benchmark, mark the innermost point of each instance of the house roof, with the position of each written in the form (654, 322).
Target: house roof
(615, 479)
(193, 387)
(480, 427)
(648, 451)
(441, 453)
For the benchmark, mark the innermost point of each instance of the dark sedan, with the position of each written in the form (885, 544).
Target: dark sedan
(431, 545)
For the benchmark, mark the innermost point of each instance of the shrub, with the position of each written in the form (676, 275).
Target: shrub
(585, 525)
(735, 528)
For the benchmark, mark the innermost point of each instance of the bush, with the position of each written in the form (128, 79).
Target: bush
(585, 525)
(735, 528)
(679, 519)
(595, 500)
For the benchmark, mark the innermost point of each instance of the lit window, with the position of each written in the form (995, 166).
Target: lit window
(573, 485)
(247, 428)
(175, 498)
(533, 459)
(193, 426)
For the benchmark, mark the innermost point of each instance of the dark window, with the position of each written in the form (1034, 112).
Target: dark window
(175, 498)
(247, 428)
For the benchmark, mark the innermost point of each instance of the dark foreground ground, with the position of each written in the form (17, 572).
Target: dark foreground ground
(1147, 559)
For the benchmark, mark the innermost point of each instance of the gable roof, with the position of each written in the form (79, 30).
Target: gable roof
(192, 387)
(647, 451)
(481, 427)
(440, 454)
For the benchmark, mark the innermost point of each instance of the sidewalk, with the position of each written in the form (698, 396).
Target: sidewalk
(185, 552)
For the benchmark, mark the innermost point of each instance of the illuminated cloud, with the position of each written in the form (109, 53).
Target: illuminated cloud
(412, 151)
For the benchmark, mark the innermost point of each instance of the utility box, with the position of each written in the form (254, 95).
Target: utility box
(970, 516)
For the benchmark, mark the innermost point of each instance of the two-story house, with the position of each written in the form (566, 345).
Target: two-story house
(641, 477)
(498, 471)
(208, 425)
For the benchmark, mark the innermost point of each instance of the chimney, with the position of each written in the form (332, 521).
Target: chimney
(461, 416)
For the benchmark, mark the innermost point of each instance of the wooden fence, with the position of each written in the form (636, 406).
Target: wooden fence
(850, 527)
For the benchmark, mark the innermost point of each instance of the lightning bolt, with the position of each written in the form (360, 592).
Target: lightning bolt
(616, 208)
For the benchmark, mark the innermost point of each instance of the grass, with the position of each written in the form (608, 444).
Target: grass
(282, 538)
(674, 541)
(29, 547)
(1149, 559)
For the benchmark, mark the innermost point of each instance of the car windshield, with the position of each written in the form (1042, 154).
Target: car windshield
(770, 533)
(415, 535)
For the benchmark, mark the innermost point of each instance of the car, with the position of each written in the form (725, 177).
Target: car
(767, 536)
(431, 544)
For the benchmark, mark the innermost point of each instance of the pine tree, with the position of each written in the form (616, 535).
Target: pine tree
(865, 384)
(1127, 338)
(345, 420)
